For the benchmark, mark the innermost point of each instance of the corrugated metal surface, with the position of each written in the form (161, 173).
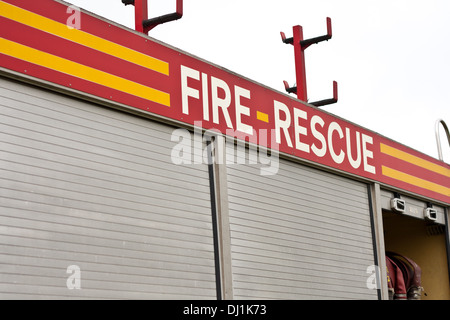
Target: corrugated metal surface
(87, 186)
(298, 234)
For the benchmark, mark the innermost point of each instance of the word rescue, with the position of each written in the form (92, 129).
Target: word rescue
(305, 132)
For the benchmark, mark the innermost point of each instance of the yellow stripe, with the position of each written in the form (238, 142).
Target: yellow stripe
(50, 61)
(262, 116)
(61, 30)
(398, 175)
(414, 160)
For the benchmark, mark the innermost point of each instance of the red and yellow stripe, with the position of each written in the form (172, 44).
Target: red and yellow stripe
(76, 69)
(422, 174)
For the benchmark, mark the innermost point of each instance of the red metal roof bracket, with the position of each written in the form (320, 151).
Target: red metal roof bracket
(328, 101)
(299, 52)
(306, 43)
(317, 103)
(289, 89)
(143, 23)
(151, 23)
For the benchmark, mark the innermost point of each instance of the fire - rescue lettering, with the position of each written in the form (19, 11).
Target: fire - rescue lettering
(325, 144)
(218, 102)
(355, 147)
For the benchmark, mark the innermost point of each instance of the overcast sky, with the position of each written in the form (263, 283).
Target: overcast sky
(389, 57)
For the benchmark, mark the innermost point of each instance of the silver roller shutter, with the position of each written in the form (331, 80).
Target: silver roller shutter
(299, 234)
(93, 187)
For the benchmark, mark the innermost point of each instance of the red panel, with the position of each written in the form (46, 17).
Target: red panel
(79, 84)
(303, 131)
(66, 49)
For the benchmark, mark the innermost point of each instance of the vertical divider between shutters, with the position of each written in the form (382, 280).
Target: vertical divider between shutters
(212, 191)
(447, 237)
(376, 221)
(220, 216)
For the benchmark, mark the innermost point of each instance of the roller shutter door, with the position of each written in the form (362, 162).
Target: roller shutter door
(95, 188)
(299, 234)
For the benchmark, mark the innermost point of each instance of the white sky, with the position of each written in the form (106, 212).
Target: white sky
(389, 57)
